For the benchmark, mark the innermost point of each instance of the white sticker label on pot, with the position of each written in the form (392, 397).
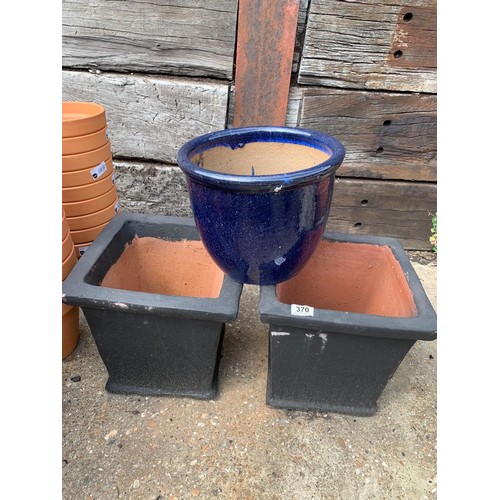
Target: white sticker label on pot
(96, 172)
(117, 206)
(298, 310)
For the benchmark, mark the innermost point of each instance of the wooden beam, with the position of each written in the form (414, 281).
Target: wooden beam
(396, 209)
(151, 117)
(264, 58)
(386, 135)
(186, 38)
(371, 45)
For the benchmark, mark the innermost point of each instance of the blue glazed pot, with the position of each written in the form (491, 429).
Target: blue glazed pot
(260, 197)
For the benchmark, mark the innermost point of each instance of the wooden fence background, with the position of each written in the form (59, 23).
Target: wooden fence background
(363, 71)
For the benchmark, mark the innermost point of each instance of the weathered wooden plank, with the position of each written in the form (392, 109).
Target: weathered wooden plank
(179, 37)
(350, 45)
(301, 32)
(151, 118)
(386, 135)
(152, 188)
(401, 210)
(264, 57)
(295, 97)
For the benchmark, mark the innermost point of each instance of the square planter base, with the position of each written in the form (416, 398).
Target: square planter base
(157, 356)
(340, 328)
(329, 371)
(156, 305)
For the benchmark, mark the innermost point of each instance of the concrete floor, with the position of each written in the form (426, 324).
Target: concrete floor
(235, 446)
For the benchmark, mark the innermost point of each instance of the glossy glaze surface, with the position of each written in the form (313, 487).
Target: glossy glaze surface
(261, 229)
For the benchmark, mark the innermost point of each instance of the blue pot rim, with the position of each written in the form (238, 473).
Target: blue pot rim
(236, 137)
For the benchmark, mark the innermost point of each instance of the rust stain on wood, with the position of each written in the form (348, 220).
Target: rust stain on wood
(264, 57)
(414, 40)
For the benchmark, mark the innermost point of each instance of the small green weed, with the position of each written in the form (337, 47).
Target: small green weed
(433, 239)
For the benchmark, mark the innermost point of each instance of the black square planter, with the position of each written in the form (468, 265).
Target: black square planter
(340, 328)
(154, 334)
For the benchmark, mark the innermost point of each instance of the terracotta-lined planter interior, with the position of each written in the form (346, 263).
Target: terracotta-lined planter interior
(351, 277)
(179, 268)
(260, 158)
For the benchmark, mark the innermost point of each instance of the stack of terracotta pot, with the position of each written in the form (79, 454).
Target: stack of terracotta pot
(70, 314)
(89, 194)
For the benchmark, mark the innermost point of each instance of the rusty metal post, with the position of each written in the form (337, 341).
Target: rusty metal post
(264, 57)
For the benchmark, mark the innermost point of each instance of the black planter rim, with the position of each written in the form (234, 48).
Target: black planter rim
(78, 292)
(421, 327)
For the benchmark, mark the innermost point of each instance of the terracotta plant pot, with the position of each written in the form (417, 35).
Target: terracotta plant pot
(65, 227)
(82, 118)
(89, 234)
(87, 175)
(81, 248)
(88, 191)
(340, 328)
(70, 314)
(70, 331)
(66, 308)
(89, 159)
(68, 264)
(156, 304)
(260, 197)
(67, 246)
(85, 207)
(94, 219)
(84, 143)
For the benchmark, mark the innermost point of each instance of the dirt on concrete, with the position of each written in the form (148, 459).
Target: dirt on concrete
(237, 447)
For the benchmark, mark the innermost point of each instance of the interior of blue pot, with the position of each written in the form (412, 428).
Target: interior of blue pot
(261, 151)
(260, 158)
